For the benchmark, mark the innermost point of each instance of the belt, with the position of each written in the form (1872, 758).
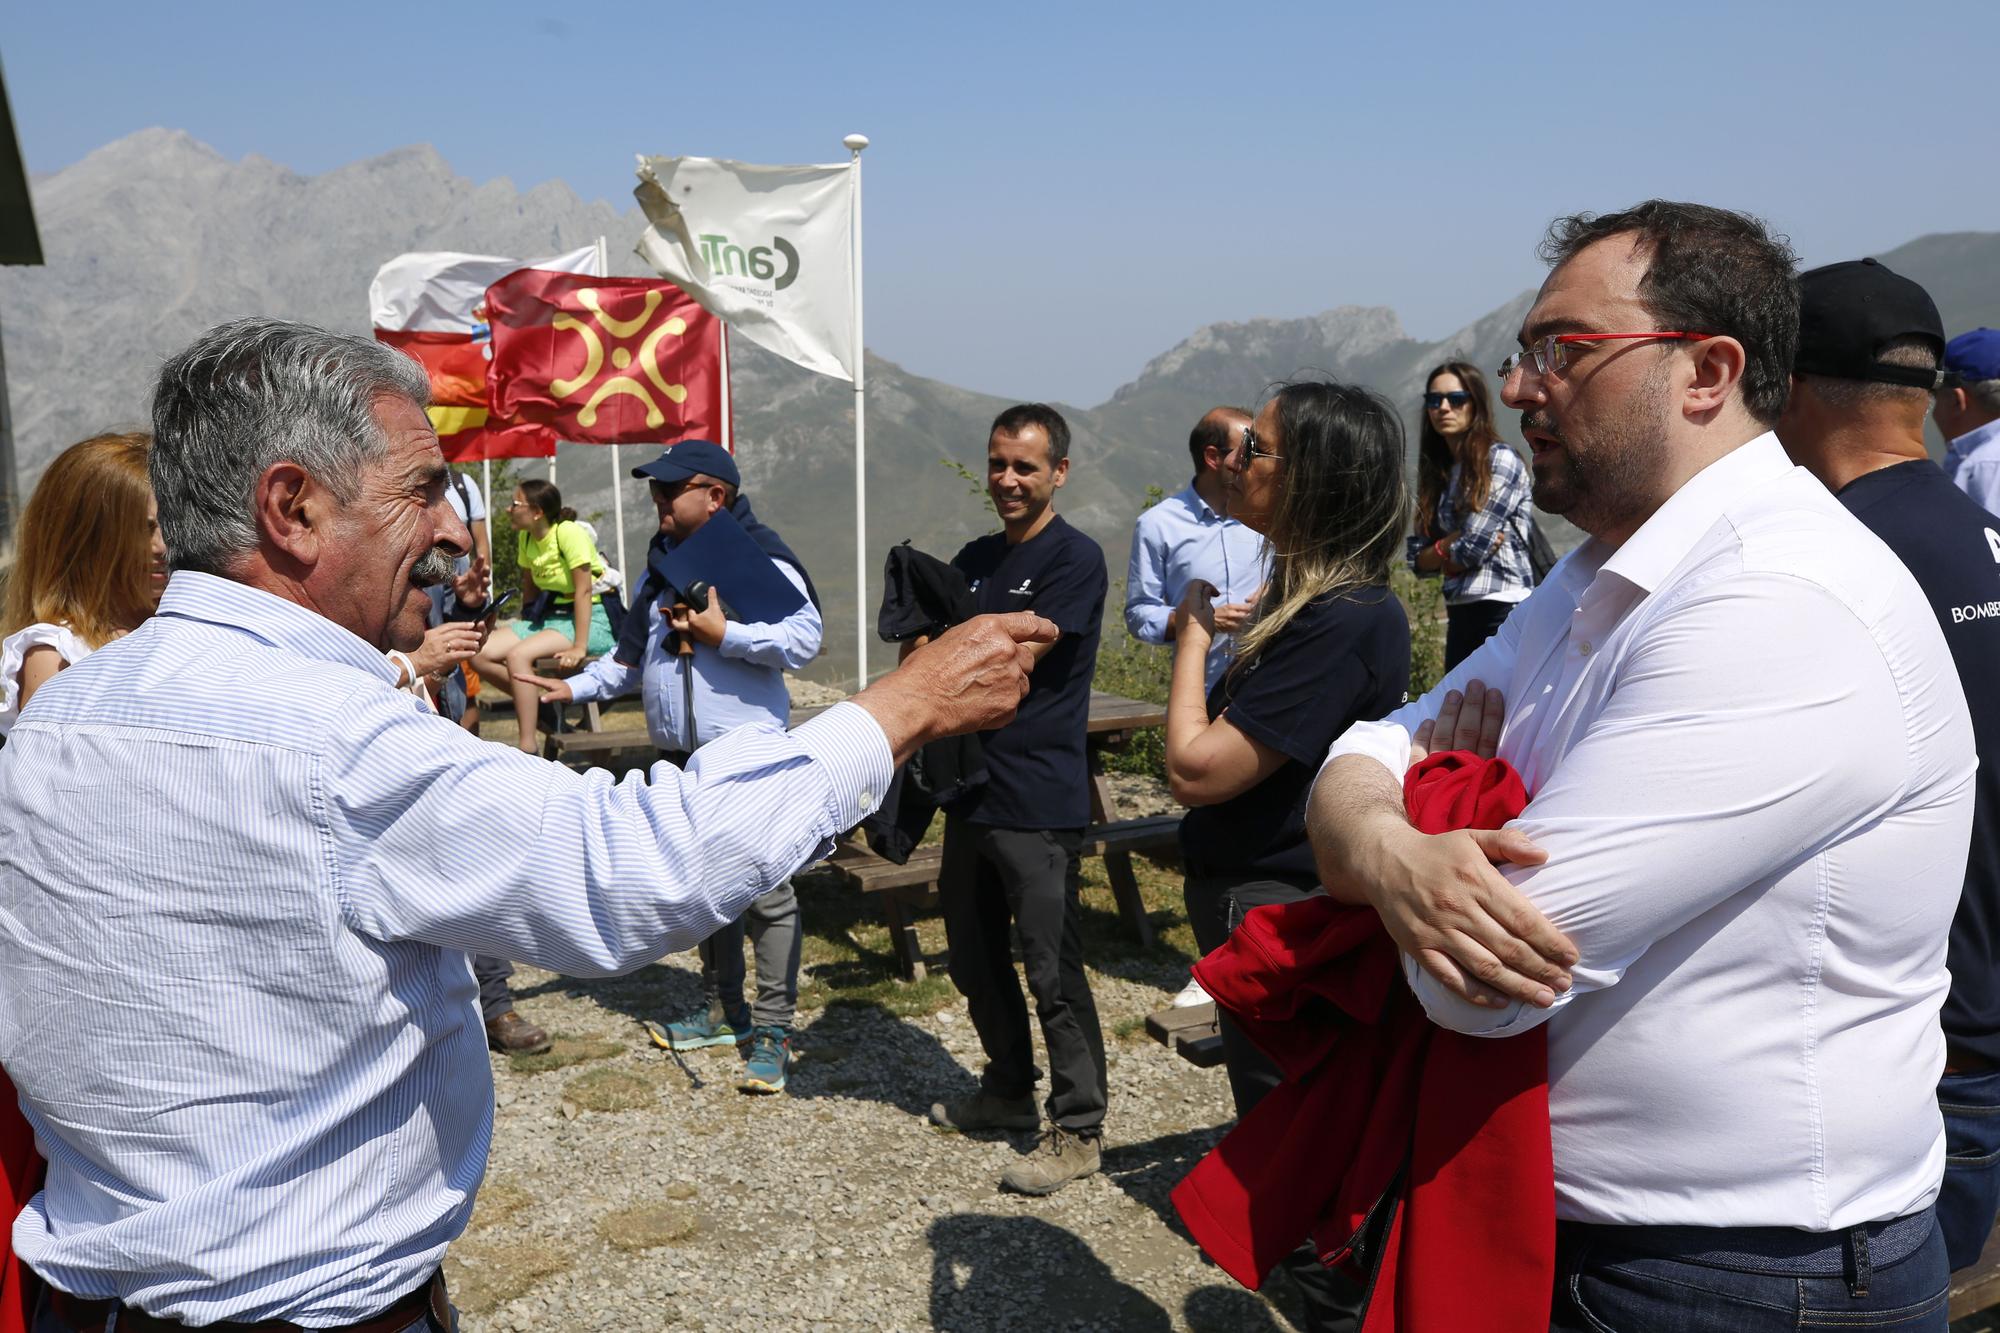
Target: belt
(1958, 1060)
(1779, 1250)
(86, 1316)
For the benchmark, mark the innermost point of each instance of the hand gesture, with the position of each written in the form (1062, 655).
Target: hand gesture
(1231, 617)
(1464, 722)
(970, 678)
(470, 588)
(553, 691)
(706, 625)
(571, 657)
(444, 647)
(1197, 609)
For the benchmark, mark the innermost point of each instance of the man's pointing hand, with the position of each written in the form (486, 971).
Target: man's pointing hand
(970, 678)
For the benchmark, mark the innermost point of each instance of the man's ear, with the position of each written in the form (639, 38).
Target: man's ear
(1718, 369)
(291, 511)
(1062, 472)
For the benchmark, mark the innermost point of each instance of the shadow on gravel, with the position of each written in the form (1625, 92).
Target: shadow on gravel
(1230, 1309)
(861, 1051)
(1022, 1272)
(651, 992)
(1149, 1171)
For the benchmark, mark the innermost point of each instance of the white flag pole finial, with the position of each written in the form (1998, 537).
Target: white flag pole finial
(854, 143)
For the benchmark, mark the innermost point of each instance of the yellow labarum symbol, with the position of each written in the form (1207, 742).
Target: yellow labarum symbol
(622, 330)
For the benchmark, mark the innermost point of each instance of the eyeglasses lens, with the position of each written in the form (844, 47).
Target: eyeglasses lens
(1457, 398)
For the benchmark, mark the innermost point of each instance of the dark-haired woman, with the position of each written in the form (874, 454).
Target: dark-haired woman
(1473, 514)
(1320, 476)
(560, 617)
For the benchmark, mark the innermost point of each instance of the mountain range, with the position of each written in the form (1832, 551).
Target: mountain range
(155, 237)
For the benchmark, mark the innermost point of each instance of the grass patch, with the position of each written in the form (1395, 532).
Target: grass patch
(609, 1090)
(484, 1275)
(649, 1226)
(498, 1201)
(1129, 1028)
(565, 1050)
(904, 999)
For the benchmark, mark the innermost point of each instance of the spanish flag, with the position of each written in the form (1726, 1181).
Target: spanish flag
(429, 304)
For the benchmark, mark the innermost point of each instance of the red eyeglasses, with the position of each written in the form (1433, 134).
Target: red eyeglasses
(1547, 356)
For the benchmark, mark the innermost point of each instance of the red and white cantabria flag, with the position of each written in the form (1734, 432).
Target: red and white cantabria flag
(430, 304)
(605, 360)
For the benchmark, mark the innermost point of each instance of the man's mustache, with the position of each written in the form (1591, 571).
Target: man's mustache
(1540, 421)
(437, 564)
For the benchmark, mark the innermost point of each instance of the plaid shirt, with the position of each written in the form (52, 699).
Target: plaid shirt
(1491, 549)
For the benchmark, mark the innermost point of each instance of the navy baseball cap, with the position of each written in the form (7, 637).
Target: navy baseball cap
(1974, 357)
(691, 458)
(1848, 311)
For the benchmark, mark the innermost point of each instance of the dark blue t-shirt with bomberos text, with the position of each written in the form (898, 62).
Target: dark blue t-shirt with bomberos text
(1952, 546)
(1039, 777)
(1342, 659)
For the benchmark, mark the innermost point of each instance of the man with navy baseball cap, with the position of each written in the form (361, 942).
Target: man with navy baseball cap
(1870, 344)
(732, 676)
(1968, 414)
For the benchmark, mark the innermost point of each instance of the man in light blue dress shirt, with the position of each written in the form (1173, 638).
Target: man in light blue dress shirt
(1968, 415)
(236, 895)
(1187, 537)
(734, 676)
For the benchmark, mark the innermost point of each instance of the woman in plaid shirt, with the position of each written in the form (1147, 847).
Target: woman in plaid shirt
(1472, 510)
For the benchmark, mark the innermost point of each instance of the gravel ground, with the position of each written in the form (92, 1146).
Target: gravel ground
(627, 1189)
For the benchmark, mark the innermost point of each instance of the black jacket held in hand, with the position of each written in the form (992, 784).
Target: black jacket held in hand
(921, 595)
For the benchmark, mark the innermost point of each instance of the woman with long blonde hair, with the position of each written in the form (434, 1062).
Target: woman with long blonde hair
(1320, 475)
(89, 564)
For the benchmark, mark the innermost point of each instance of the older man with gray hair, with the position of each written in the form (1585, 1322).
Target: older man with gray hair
(237, 902)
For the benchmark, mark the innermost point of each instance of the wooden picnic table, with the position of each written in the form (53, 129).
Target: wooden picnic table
(912, 887)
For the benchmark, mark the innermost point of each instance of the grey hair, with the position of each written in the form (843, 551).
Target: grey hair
(1912, 351)
(1986, 393)
(252, 393)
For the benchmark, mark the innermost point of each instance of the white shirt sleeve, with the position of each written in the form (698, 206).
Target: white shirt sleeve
(1755, 724)
(1146, 610)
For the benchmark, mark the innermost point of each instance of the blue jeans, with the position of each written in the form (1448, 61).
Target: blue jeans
(1728, 1280)
(1970, 1198)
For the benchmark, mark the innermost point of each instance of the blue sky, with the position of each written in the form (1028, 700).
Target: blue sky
(1057, 193)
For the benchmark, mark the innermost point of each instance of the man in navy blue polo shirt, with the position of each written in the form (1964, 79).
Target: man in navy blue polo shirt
(1870, 343)
(1011, 846)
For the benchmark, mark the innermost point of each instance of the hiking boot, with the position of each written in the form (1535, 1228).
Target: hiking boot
(693, 1031)
(982, 1110)
(1058, 1159)
(511, 1034)
(770, 1061)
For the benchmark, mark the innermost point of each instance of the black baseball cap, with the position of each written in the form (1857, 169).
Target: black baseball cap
(692, 458)
(1847, 311)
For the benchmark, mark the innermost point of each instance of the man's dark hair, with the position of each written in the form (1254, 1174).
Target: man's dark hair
(1023, 415)
(1209, 431)
(1709, 271)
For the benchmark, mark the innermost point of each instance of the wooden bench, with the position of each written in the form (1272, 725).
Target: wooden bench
(1978, 1287)
(1190, 1032)
(912, 887)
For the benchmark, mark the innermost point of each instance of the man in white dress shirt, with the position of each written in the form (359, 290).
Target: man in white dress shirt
(236, 895)
(1751, 768)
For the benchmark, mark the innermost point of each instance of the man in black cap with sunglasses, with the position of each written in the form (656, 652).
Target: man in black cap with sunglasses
(1870, 347)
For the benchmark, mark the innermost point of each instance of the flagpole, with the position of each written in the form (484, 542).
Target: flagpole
(854, 143)
(728, 440)
(617, 468)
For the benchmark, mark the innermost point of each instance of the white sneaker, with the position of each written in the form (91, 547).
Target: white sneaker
(1190, 995)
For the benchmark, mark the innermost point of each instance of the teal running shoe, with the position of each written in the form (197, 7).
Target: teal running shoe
(770, 1061)
(693, 1031)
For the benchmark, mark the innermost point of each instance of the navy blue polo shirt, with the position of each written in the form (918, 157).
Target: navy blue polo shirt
(1952, 546)
(1342, 659)
(1039, 776)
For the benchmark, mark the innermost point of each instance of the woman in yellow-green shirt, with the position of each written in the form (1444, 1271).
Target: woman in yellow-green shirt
(559, 563)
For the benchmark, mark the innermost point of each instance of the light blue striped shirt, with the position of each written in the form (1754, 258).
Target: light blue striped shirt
(238, 880)
(1177, 541)
(1973, 462)
(739, 683)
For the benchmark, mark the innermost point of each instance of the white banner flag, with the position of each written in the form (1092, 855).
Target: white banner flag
(435, 291)
(766, 249)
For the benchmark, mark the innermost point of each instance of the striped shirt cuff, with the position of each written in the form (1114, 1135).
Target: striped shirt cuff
(848, 743)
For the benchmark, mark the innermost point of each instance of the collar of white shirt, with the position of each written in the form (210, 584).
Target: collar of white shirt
(1664, 540)
(1978, 439)
(192, 595)
(1201, 510)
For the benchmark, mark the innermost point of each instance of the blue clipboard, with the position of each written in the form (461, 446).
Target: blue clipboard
(725, 556)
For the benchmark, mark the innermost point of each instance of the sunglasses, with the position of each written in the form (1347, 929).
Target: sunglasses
(1457, 398)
